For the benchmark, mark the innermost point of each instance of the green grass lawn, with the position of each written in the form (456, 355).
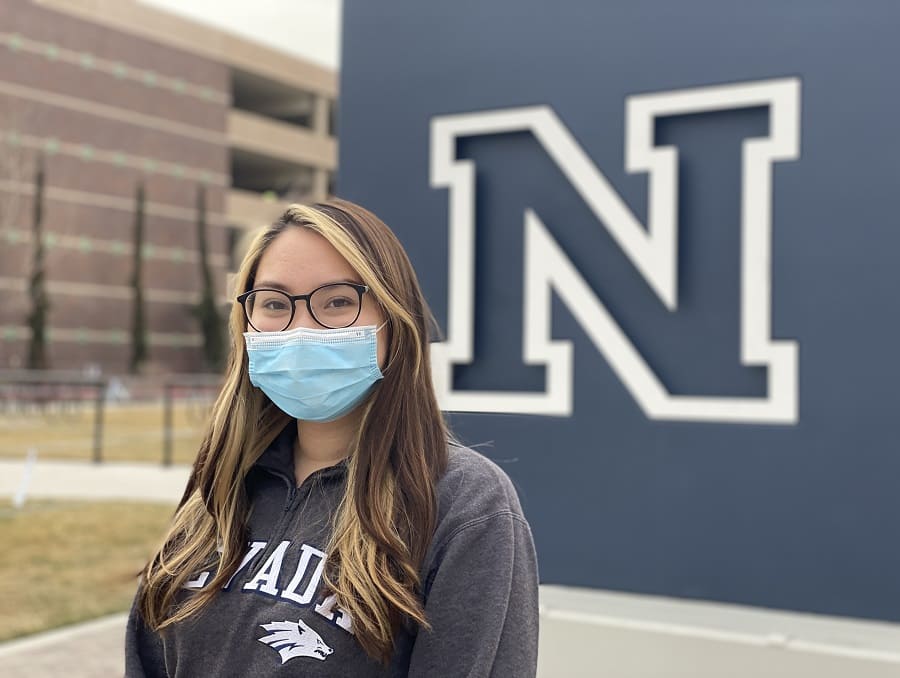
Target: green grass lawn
(65, 562)
(132, 432)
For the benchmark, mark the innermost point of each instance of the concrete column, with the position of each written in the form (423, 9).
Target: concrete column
(320, 184)
(321, 115)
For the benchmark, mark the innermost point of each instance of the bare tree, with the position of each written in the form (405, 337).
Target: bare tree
(138, 322)
(37, 287)
(207, 311)
(22, 180)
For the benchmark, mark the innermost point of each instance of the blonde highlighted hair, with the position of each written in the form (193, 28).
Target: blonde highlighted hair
(387, 515)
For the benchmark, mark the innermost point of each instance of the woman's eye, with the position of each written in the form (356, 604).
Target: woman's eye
(275, 305)
(339, 302)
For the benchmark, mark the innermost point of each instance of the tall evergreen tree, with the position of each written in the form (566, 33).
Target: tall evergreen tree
(206, 311)
(37, 289)
(138, 322)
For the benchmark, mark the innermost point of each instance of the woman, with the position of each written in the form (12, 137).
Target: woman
(330, 526)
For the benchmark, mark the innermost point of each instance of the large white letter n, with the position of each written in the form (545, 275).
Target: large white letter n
(651, 250)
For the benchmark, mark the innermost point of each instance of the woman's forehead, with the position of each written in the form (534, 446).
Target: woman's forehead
(299, 259)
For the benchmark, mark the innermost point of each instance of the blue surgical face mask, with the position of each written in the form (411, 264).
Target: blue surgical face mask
(314, 375)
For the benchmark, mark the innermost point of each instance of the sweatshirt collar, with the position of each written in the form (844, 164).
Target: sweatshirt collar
(278, 457)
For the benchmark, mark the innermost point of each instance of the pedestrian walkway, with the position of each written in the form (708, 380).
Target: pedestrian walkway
(93, 649)
(88, 480)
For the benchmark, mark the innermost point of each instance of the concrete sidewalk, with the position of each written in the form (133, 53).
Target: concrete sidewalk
(94, 649)
(87, 480)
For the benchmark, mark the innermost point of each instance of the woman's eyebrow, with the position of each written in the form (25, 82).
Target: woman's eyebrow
(259, 284)
(270, 284)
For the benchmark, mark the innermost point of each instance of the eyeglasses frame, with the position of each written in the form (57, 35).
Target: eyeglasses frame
(360, 290)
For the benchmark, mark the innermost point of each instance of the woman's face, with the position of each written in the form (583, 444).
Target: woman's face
(298, 261)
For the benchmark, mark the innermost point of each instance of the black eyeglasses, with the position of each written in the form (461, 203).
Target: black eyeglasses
(332, 306)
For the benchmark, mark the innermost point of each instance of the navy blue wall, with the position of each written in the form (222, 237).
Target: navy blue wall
(798, 516)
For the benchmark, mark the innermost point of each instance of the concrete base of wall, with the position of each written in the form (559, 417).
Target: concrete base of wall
(587, 633)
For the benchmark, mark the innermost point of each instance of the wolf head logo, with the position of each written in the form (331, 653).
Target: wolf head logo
(295, 639)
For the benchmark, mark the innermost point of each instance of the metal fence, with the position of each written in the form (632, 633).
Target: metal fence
(195, 390)
(76, 415)
(29, 392)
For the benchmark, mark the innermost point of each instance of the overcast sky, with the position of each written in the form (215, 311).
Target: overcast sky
(307, 28)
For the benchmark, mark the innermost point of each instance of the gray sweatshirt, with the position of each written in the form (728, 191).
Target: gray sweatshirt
(273, 618)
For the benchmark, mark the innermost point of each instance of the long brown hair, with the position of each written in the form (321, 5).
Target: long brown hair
(387, 515)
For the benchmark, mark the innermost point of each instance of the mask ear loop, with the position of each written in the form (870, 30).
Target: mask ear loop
(387, 362)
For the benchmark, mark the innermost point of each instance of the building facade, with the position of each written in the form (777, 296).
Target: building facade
(111, 97)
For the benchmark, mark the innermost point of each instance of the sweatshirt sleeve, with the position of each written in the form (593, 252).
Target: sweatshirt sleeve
(482, 603)
(144, 654)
